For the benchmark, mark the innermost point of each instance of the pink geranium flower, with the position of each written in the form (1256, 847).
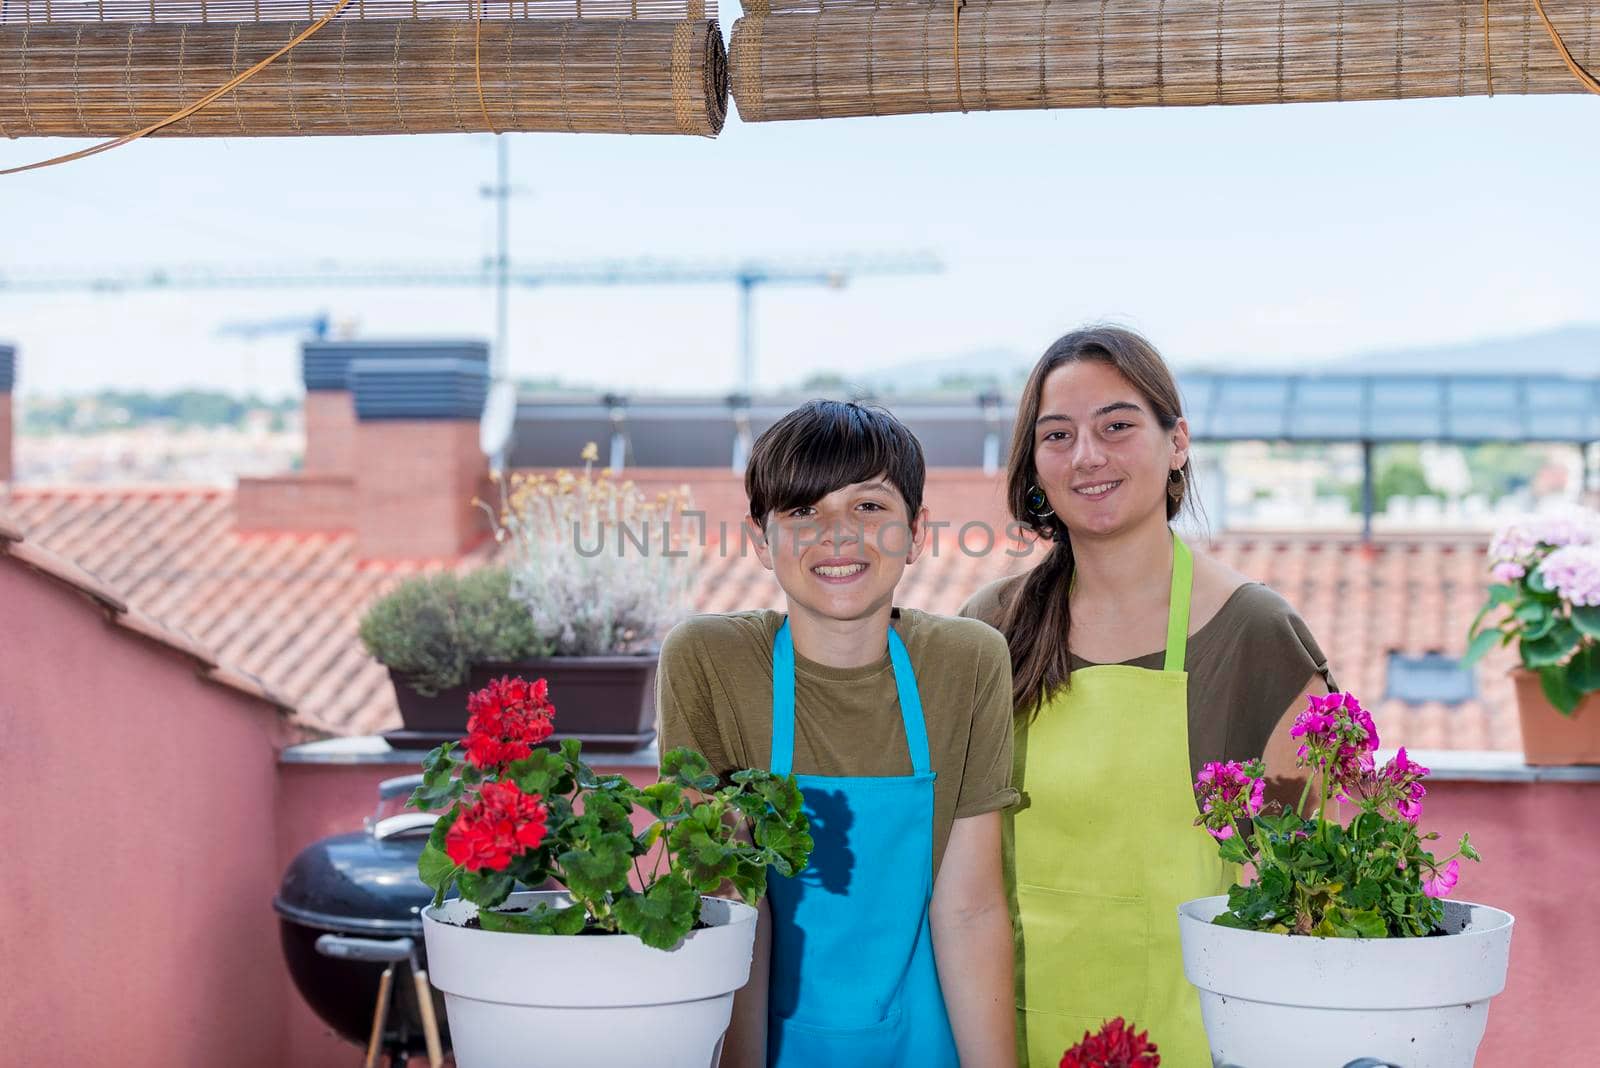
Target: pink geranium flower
(1402, 777)
(1443, 880)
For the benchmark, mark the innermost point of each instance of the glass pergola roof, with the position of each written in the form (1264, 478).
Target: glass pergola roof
(1401, 407)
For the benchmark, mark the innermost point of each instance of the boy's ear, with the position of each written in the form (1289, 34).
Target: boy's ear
(919, 535)
(758, 538)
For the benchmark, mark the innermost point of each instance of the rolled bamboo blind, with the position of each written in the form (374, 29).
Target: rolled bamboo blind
(801, 59)
(379, 67)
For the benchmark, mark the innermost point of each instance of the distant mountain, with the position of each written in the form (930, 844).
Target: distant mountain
(1004, 367)
(1573, 350)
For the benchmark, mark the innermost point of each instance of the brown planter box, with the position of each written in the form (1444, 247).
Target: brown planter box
(1548, 737)
(606, 702)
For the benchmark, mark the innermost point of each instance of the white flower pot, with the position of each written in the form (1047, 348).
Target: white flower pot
(1275, 1001)
(525, 1001)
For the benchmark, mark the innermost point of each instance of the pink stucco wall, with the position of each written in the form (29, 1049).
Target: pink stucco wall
(1541, 863)
(137, 808)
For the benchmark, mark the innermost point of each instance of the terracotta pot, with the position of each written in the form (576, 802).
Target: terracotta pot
(606, 702)
(1548, 737)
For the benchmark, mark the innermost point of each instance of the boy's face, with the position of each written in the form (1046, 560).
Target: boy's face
(841, 557)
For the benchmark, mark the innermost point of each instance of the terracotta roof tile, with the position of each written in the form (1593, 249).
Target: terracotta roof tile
(285, 607)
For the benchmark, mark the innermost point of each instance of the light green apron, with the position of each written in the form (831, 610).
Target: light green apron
(1102, 851)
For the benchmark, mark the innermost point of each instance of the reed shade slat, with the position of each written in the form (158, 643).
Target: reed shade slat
(46, 11)
(366, 76)
(895, 57)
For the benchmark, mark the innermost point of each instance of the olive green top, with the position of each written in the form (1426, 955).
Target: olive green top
(714, 694)
(1246, 665)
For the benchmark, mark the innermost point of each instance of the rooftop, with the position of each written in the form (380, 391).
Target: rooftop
(284, 606)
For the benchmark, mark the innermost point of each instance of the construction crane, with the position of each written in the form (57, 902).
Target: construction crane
(313, 326)
(832, 273)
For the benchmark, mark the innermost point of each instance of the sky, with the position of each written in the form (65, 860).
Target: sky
(1266, 234)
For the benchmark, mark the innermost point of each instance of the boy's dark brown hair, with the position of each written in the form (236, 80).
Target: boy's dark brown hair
(825, 445)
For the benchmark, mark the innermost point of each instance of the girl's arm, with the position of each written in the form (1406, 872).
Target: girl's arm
(972, 944)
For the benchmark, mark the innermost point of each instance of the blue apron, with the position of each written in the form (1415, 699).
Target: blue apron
(853, 975)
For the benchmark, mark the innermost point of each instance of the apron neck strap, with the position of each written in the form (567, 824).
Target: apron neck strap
(905, 681)
(1178, 609)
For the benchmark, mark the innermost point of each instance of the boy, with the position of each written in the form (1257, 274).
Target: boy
(894, 946)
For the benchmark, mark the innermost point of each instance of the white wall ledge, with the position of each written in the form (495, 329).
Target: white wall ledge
(1487, 765)
(373, 749)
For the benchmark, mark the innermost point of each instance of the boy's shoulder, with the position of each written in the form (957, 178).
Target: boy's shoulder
(720, 633)
(942, 639)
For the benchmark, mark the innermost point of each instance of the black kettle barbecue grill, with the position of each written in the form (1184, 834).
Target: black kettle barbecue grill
(350, 922)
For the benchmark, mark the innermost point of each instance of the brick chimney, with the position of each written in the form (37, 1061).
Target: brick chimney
(330, 416)
(8, 377)
(418, 461)
(392, 450)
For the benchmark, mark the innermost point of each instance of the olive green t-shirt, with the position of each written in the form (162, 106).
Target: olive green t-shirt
(1246, 666)
(714, 693)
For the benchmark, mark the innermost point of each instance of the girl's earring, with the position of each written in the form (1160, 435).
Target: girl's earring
(1038, 504)
(1175, 484)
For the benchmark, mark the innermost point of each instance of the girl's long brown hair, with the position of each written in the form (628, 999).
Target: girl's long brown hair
(1037, 619)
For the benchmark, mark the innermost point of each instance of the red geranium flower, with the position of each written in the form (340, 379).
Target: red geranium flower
(1115, 1046)
(509, 717)
(501, 825)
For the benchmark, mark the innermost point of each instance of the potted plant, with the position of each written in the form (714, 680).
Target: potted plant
(629, 963)
(1547, 591)
(431, 631)
(1324, 957)
(591, 572)
(603, 570)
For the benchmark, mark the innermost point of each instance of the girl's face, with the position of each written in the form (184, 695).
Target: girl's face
(1103, 458)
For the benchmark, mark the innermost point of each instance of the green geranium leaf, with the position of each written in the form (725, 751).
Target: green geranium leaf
(541, 919)
(663, 799)
(601, 868)
(707, 865)
(485, 889)
(790, 846)
(542, 772)
(1234, 850)
(662, 915)
(609, 812)
(688, 769)
(749, 878)
(1367, 923)
(437, 870)
(429, 798)
(439, 762)
(1536, 583)
(1587, 619)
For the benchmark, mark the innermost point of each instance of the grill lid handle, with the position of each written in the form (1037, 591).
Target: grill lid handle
(389, 789)
(404, 823)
